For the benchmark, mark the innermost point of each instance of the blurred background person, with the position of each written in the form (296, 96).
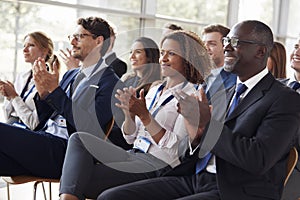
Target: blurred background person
(19, 107)
(212, 36)
(144, 59)
(119, 66)
(277, 61)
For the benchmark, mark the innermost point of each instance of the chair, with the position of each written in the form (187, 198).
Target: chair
(292, 161)
(37, 180)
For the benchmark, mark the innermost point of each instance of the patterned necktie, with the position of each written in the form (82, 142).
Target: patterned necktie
(241, 88)
(294, 85)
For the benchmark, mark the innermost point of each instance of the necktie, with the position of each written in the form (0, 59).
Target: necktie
(76, 82)
(201, 164)
(241, 88)
(294, 85)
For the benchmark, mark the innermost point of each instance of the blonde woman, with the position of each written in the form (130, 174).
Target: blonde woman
(19, 107)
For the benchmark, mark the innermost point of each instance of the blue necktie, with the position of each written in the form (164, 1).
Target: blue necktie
(202, 163)
(294, 85)
(241, 88)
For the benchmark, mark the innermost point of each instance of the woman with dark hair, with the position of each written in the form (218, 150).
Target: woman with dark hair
(19, 107)
(144, 59)
(152, 124)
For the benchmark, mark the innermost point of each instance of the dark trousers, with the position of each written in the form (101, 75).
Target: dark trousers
(25, 152)
(202, 186)
(93, 165)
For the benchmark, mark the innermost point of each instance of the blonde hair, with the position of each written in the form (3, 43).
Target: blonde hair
(44, 43)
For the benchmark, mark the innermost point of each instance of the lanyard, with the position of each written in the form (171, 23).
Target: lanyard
(167, 100)
(31, 89)
(26, 85)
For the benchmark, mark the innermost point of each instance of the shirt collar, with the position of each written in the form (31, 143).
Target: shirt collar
(251, 82)
(89, 71)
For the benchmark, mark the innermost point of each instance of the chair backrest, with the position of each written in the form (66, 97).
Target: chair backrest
(292, 161)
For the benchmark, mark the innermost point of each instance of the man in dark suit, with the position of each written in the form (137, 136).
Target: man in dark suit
(65, 108)
(252, 140)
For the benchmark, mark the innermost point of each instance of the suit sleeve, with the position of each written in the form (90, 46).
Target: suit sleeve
(92, 111)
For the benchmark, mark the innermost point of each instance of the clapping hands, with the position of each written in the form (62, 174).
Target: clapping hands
(196, 111)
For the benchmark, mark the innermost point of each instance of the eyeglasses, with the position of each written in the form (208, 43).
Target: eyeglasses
(80, 36)
(234, 42)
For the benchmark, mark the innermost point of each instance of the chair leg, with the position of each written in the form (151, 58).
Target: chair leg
(50, 191)
(35, 189)
(7, 189)
(44, 190)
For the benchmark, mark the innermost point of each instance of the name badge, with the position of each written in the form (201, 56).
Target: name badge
(142, 144)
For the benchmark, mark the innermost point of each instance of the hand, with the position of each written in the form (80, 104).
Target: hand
(124, 96)
(45, 81)
(137, 106)
(196, 112)
(7, 89)
(68, 59)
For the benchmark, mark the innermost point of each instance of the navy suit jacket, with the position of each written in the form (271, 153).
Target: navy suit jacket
(91, 109)
(254, 141)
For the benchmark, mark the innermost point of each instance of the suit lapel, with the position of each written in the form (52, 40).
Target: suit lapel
(253, 96)
(92, 82)
(69, 79)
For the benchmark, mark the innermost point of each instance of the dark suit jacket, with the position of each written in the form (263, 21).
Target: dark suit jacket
(119, 66)
(91, 108)
(254, 141)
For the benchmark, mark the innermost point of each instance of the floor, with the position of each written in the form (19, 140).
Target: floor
(25, 191)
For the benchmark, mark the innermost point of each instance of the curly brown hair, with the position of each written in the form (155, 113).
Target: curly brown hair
(194, 53)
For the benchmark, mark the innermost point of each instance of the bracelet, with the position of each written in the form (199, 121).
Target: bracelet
(153, 127)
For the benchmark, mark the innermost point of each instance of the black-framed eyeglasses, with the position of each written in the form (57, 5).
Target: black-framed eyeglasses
(234, 42)
(80, 36)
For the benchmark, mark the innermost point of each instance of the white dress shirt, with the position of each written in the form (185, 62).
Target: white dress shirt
(16, 107)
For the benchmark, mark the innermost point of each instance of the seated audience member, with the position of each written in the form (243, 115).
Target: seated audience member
(144, 58)
(152, 124)
(19, 108)
(119, 66)
(291, 189)
(65, 108)
(212, 36)
(245, 162)
(277, 61)
(170, 27)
